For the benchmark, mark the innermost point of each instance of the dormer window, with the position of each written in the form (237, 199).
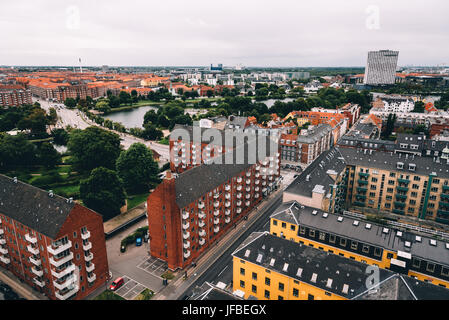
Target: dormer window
(400, 165)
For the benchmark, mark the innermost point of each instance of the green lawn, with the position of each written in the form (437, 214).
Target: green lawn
(108, 295)
(135, 200)
(146, 294)
(164, 141)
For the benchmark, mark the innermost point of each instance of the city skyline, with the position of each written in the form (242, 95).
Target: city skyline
(285, 34)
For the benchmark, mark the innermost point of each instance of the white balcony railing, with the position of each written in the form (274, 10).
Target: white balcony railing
(186, 235)
(69, 281)
(85, 235)
(256, 189)
(186, 244)
(39, 283)
(247, 203)
(92, 278)
(239, 179)
(201, 205)
(216, 213)
(239, 203)
(59, 249)
(60, 274)
(89, 257)
(227, 220)
(202, 241)
(227, 187)
(201, 224)
(248, 181)
(35, 261)
(216, 204)
(5, 260)
(227, 204)
(2, 242)
(202, 233)
(202, 215)
(37, 272)
(239, 210)
(185, 215)
(3, 250)
(32, 250)
(239, 195)
(87, 246)
(66, 295)
(239, 188)
(216, 221)
(61, 261)
(90, 268)
(216, 229)
(186, 225)
(228, 212)
(187, 254)
(31, 239)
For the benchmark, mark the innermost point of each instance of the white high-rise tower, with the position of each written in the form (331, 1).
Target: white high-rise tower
(381, 67)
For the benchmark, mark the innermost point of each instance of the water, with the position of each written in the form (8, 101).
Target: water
(132, 118)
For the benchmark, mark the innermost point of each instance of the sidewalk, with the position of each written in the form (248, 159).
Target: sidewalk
(178, 285)
(21, 288)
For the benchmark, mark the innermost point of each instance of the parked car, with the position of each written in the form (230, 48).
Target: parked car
(117, 284)
(138, 242)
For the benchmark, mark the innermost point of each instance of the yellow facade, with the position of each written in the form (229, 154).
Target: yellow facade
(280, 287)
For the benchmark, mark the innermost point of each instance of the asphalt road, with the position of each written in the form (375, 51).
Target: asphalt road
(221, 270)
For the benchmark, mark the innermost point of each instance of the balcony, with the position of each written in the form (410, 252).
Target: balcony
(216, 204)
(186, 244)
(61, 261)
(85, 235)
(248, 189)
(31, 239)
(1, 231)
(402, 189)
(239, 179)
(257, 182)
(445, 188)
(248, 196)
(362, 182)
(202, 241)
(360, 197)
(186, 235)
(239, 210)
(90, 268)
(364, 174)
(228, 212)
(201, 224)
(248, 174)
(200, 205)
(239, 188)
(5, 260)
(227, 204)
(65, 295)
(256, 189)
(65, 271)
(247, 203)
(227, 187)
(216, 195)
(39, 283)
(216, 213)
(35, 260)
(202, 215)
(401, 197)
(239, 203)
(2, 241)
(185, 215)
(362, 189)
(64, 284)
(248, 181)
(257, 175)
(185, 225)
(37, 271)
(399, 204)
(33, 250)
(56, 250)
(202, 233)
(444, 196)
(359, 204)
(256, 195)
(87, 246)
(264, 183)
(404, 181)
(187, 254)
(227, 220)
(239, 195)
(443, 213)
(3, 250)
(216, 229)
(216, 221)
(89, 257)
(92, 277)
(257, 168)
(398, 211)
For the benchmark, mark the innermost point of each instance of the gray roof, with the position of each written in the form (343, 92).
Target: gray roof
(236, 122)
(331, 272)
(196, 182)
(401, 287)
(360, 142)
(33, 207)
(315, 134)
(317, 173)
(212, 292)
(303, 215)
(388, 161)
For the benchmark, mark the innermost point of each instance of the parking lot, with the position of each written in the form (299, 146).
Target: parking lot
(153, 266)
(130, 289)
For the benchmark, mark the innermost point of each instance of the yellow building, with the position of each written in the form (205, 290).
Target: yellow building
(418, 256)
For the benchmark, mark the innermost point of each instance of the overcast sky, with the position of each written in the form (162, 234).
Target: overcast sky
(200, 32)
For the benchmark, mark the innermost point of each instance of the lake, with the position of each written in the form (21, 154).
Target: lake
(133, 118)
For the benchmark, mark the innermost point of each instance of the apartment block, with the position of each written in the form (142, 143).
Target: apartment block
(14, 95)
(268, 267)
(53, 244)
(381, 67)
(419, 256)
(188, 212)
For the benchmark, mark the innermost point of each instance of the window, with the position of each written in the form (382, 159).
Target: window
(293, 227)
(242, 284)
(377, 252)
(254, 288)
(280, 298)
(242, 271)
(281, 286)
(254, 276)
(267, 294)
(275, 222)
(310, 297)
(343, 242)
(267, 281)
(302, 230)
(322, 236)
(332, 238)
(354, 245)
(430, 267)
(365, 248)
(284, 225)
(295, 292)
(445, 271)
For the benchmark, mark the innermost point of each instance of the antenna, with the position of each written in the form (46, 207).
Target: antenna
(81, 66)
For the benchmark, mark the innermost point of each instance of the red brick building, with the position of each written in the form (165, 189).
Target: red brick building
(188, 212)
(14, 95)
(53, 244)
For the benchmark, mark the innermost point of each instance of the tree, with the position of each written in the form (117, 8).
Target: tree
(151, 132)
(103, 192)
(103, 106)
(60, 137)
(150, 116)
(94, 147)
(53, 116)
(16, 150)
(48, 156)
(210, 93)
(36, 121)
(70, 103)
(124, 97)
(137, 168)
(114, 101)
(419, 107)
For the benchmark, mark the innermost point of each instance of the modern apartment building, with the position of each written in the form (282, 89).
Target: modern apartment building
(53, 244)
(269, 267)
(188, 212)
(417, 255)
(381, 67)
(14, 95)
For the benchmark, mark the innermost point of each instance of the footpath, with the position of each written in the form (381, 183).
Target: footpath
(179, 285)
